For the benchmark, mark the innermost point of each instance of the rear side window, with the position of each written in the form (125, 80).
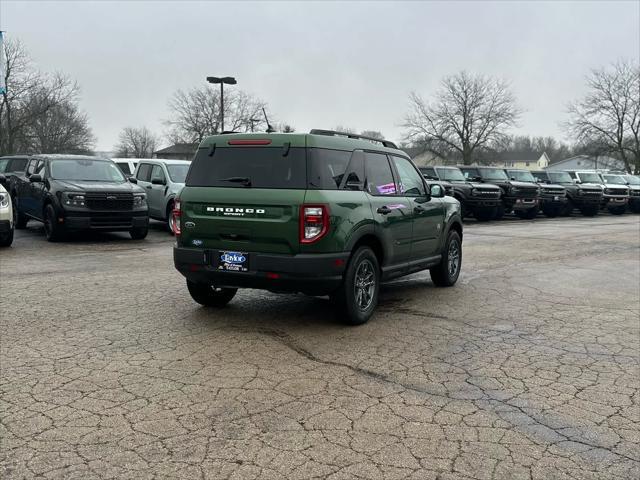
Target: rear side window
(32, 167)
(144, 172)
(379, 177)
(3, 164)
(327, 168)
(258, 167)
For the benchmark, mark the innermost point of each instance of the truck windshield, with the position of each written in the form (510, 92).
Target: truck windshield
(492, 174)
(521, 176)
(451, 174)
(614, 179)
(86, 170)
(633, 180)
(590, 178)
(178, 173)
(254, 167)
(560, 177)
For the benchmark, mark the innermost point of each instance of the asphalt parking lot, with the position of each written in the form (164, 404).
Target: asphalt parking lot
(527, 368)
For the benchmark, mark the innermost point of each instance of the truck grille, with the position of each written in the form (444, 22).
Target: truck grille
(109, 201)
(487, 193)
(634, 193)
(618, 192)
(553, 191)
(527, 192)
(591, 192)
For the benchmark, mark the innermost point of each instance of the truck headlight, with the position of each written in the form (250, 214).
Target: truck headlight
(73, 199)
(4, 200)
(139, 200)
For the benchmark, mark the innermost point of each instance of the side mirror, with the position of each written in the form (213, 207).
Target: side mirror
(158, 181)
(477, 179)
(133, 180)
(35, 178)
(513, 179)
(437, 191)
(3, 180)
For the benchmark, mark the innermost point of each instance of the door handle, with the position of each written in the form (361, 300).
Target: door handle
(148, 187)
(418, 209)
(384, 210)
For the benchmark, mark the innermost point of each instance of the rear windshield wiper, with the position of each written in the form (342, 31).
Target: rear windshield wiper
(245, 181)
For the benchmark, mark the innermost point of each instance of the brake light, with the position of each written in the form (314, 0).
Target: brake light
(258, 141)
(177, 214)
(314, 222)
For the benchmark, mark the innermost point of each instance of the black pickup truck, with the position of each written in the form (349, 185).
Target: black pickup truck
(73, 192)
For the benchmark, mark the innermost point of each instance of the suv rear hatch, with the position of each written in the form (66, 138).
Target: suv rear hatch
(243, 193)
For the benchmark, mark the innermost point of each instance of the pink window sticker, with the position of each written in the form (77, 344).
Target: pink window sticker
(386, 189)
(397, 206)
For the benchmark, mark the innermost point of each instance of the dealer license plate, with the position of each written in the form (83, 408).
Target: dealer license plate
(233, 261)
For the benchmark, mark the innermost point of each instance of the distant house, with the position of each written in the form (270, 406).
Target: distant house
(586, 162)
(179, 151)
(424, 158)
(524, 160)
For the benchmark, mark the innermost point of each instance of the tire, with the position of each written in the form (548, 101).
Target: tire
(448, 270)
(19, 220)
(531, 213)
(53, 231)
(484, 215)
(619, 210)
(170, 222)
(6, 239)
(499, 212)
(210, 296)
(357, 297)
(590, 210)
(634, 207)
(139, 233)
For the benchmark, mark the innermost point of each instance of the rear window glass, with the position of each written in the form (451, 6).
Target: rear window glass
(327, 168)
(259, 167)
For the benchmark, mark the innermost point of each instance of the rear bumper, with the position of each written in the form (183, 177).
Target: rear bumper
(315, 274)
(106, 221)
(5, 226)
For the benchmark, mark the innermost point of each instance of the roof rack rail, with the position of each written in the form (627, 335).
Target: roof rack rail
(332, 133)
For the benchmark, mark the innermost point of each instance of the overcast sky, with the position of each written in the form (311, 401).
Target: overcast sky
(320, 64)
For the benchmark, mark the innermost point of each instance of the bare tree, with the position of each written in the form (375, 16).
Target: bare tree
(468, 114)
(136, 143)
(344, 129)
(609, 114)
(195, 113)
(39, 112)
(372, 134)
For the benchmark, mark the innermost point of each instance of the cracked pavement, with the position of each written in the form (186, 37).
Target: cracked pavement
(527, 369)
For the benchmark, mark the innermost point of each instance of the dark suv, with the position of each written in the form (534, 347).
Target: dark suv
(520, 197)
(614, 197)
(553, 197)
(478, 199)
(586, 198)
(319, 213)
(74, 192)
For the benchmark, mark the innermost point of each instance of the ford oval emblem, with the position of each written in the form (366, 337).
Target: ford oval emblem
(189, 224)
(111, 197)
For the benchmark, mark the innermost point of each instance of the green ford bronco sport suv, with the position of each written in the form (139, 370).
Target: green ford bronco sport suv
(323, 213)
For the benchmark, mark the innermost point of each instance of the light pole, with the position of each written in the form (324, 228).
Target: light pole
(222, 81)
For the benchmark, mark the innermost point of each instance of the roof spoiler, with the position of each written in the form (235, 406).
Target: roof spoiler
(332, 133)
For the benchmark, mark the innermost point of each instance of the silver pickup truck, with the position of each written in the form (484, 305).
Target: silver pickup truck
(162, 180)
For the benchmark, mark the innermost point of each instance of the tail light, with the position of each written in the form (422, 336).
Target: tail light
(314, 222)
(176, 213)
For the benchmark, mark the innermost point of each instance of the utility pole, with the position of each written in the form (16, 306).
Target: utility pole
(222, 81)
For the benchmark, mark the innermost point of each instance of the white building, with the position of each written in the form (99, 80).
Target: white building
(585, 162)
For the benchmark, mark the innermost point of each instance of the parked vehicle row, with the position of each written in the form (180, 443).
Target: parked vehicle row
(526, 193)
